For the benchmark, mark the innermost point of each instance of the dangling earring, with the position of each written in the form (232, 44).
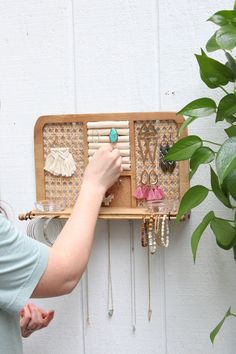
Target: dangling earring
(162, 153)
(163, 150)
(141, 191)
(155, 192)
(171, 164)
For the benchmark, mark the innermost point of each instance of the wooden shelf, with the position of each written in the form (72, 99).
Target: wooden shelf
(112, 213)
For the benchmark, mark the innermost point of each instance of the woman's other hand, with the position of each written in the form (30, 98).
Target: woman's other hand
(32, 318)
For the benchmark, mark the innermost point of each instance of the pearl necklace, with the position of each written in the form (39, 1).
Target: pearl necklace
(165, 231)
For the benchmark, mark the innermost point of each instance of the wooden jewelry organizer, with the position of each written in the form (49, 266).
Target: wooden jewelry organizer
(81, 133)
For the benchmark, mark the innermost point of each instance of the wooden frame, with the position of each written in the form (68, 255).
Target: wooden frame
(131, 212)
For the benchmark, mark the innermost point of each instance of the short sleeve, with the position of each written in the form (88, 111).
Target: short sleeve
(22, 264)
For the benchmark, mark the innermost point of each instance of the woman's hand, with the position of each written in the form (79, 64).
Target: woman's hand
(32, 318)
(104, 168)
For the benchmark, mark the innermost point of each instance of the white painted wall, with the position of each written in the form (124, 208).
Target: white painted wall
(62, 56)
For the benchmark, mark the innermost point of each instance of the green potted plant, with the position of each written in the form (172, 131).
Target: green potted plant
(220, 157)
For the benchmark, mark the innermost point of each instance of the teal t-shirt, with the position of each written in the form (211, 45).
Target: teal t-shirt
(22, 263)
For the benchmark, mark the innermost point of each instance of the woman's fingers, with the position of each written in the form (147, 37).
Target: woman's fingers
(104, 168)
(25, 317)
(33, 318)
(47, 319)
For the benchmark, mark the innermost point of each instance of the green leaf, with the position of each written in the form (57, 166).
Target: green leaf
(225, 190)
(231, 131)
(230, 183)
(184, 148)
(214, 73)
(218, 191)
(212, 45)
(226, 37)
(231, 63)
(226, 159)
(226, 107)
(197, 234)
(223, 17)
(203, 53)
(192, 198)
(202, 155)
(202, 107)
(224, 232)
(186, 122)
(216, 330)
(231, 119)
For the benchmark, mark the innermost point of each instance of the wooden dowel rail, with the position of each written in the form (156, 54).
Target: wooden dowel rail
(111, 214)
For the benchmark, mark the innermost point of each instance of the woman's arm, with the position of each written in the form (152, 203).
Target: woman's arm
(69, 255)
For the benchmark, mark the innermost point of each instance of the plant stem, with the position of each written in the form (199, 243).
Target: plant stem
(234, 250)
(222, 88)
(211, 142)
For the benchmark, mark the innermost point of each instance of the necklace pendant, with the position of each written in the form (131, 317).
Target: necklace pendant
(110, 312)
(149, 315)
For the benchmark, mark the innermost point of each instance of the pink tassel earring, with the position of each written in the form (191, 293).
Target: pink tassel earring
(142, 190)
(155, 192)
